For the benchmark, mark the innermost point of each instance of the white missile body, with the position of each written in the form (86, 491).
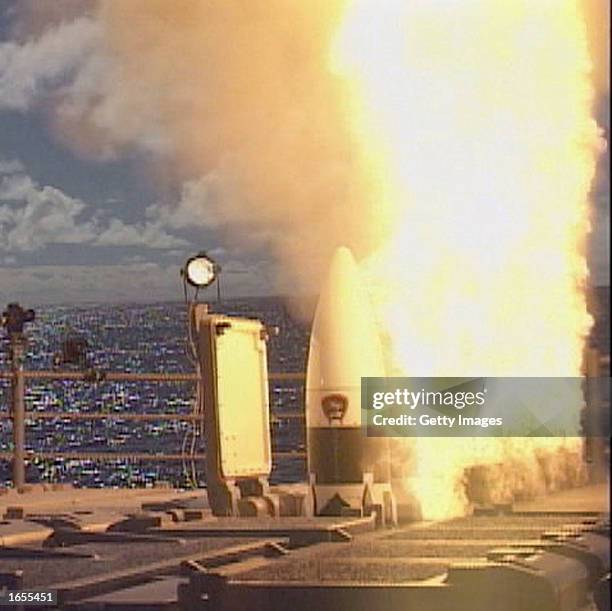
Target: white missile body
(344, 344)
(344, 347)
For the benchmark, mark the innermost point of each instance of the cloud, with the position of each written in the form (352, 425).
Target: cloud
(38, 66)
(34, 216)
(10, 167)
(149, 235)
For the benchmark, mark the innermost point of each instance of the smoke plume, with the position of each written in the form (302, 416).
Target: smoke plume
(238, 95)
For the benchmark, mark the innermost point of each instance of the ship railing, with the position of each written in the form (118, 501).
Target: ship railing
(18, 414)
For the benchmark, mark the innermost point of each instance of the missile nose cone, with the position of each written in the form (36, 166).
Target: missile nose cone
(344, 343)
(342, 258)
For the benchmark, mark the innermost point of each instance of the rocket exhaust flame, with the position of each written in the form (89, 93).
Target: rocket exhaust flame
(476, 118)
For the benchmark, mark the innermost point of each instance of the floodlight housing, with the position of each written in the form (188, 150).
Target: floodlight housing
(200, 270)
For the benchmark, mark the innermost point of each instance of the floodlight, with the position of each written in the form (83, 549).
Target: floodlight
(200, 270)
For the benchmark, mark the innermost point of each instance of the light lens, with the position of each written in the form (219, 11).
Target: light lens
(200, 271)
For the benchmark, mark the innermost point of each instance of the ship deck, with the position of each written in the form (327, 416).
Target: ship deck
(162, 549)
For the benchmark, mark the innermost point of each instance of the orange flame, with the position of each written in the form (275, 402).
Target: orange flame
(475, 120)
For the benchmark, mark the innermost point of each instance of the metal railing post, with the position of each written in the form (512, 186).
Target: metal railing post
(18, 409)
(595, 441)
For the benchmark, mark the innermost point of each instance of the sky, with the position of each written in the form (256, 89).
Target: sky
(80, 222)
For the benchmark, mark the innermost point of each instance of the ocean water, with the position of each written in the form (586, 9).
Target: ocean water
(140, 338)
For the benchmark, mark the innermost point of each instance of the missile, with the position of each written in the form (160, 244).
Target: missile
(344, 347)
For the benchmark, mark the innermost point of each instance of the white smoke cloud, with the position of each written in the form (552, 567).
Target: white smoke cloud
(191, 209)
(68, 66)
